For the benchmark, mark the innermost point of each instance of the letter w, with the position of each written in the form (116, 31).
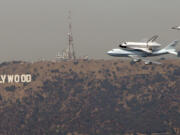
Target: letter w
(10, 78)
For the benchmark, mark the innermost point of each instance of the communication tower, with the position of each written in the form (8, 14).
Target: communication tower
(69, 53)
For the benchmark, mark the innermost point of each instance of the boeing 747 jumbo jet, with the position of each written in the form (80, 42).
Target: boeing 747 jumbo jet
(176, 27)
(147, 46)
(138, 55)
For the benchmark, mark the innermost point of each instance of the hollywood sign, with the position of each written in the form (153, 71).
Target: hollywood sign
(24, 78)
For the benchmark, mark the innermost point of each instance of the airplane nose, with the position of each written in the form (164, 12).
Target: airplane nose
(109, 52)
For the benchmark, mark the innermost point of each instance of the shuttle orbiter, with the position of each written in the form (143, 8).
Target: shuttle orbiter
(147, 46)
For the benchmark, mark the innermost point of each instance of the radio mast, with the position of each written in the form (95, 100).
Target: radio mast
(71, 51)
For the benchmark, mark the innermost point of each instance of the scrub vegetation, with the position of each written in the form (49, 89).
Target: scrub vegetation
(94, 97)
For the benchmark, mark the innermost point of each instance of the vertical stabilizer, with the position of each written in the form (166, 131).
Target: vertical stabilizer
(171, 48)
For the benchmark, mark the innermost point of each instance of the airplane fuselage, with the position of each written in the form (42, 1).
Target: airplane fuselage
(176, 27)
(136, 53)
(126, 53)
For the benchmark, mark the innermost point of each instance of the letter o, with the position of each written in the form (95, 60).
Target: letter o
(16, 78)
(23, 78)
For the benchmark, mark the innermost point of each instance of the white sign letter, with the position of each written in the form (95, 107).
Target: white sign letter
(16, 78)
(23, 78)
(10, 78)
(28, 78)
(3, 77)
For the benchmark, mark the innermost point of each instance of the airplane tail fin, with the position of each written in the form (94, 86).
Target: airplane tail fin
(152, 39)
(171, 48)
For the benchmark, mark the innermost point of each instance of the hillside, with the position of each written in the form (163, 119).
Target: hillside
(95, 97)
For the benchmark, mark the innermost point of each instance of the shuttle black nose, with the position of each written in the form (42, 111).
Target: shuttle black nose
(122, 46)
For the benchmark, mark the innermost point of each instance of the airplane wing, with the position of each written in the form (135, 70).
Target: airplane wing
(137, 58)
(151, 62)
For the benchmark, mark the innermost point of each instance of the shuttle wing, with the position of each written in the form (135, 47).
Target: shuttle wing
(142, 49)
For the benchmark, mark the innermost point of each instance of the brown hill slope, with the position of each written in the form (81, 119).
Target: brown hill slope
(94, 97)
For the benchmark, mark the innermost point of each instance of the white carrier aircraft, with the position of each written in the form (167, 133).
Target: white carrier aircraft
(147, 46)
(138, 55)
(176, 27)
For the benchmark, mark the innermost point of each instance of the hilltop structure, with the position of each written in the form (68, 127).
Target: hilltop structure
(69, 53)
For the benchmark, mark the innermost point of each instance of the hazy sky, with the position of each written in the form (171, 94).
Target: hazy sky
(34, 29)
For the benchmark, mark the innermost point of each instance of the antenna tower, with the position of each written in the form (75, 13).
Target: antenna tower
(71, 51)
